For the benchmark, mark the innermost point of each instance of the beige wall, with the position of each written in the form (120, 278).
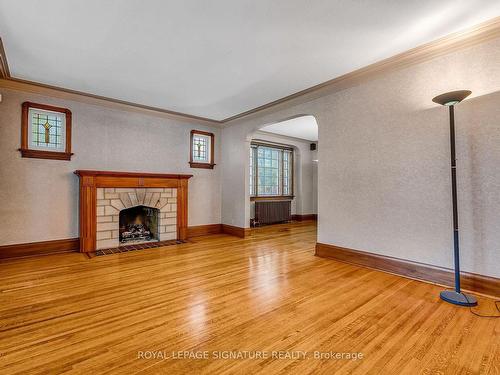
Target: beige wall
(384, 168)
(39, 198)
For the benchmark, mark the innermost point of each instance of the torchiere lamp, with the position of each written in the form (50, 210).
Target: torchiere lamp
(454, 296)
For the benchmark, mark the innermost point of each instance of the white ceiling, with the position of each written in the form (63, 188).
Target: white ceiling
(304, 127)
(216, 58)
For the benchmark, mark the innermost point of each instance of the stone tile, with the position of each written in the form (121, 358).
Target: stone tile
(125, 198)
(155, 190)
(170, 214)
(133, 198)
(103, 202)
(168, 221)
(168, 236)
(100, 193)
(162, 228)
(100, 211)
(115, 233)
(162, 202)
(104, 219)
(147, 198)
(109, 210)
(171, 228)
(105, 235)
(174, 192)
(172, 200)
(107, 226)
(154, 199)
(141, 194)
(109, 190)
(117, 203)
(166, 194)
(125, 190)
(116, 218)
(104, 244)
(111, 195)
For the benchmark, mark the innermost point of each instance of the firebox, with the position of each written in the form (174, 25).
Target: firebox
(139, 224)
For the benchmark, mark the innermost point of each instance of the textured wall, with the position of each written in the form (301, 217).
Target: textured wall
(383, 171)
(39, 198)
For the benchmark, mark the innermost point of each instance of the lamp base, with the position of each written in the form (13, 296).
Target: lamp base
(460, 299)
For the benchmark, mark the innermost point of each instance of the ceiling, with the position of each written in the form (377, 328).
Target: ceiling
(304, 127)
(218, 58)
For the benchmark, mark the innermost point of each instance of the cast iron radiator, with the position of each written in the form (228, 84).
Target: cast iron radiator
(268, 212)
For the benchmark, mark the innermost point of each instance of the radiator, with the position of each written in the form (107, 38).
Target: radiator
(268, 212)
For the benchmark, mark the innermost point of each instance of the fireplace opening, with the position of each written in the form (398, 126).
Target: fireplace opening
(139, 224)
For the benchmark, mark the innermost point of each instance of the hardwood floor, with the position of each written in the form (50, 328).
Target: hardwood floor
(106, 315)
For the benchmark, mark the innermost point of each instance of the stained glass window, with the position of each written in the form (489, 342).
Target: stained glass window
(46, 130)
(201, 145)
(270, 171)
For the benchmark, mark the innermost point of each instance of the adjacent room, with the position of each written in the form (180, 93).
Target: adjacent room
(249, 187)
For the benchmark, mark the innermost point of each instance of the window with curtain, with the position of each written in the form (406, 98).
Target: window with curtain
(271, 170)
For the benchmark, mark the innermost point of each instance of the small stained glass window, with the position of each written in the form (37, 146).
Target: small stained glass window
(202, 150)
(47, 130)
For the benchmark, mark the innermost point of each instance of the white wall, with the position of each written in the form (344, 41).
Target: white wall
(384, 168)
(39, 198)
(303, 188)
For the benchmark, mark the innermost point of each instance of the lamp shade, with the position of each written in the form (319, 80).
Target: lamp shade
(451, 98)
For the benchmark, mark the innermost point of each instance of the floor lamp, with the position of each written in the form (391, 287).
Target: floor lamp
(456, 297)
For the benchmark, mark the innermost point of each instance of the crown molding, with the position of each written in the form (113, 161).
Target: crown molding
(453, 42)
(4, 67)
(450, 43)
(68, 94)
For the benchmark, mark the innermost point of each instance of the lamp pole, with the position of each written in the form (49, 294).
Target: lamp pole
(456, 297)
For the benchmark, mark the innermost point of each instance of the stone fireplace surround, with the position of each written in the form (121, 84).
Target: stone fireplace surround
(104, 193)
(110, 201)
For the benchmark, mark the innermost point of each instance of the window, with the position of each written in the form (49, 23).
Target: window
(202, 150)
(271, 171)
(45, 132)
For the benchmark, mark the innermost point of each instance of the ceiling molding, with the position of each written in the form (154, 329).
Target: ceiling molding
(4, 67)
(450, 43)
(68, 94)
(289, 137)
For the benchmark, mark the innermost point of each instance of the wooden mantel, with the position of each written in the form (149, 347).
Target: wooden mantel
(91, 180)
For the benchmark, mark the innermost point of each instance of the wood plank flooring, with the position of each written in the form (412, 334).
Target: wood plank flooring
(219, 294)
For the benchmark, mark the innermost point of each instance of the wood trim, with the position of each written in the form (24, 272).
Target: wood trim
(273, 198)
(26, 151)
(204, 230)
(305, 217)
(86, 172)
(453, 42)
(236, 231)
(439, 275)
(4, 66)
(91, 180)
(68, 94)
(193, 164)
(39, 248)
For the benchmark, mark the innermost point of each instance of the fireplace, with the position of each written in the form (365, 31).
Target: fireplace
(124, 208)
(138, 224)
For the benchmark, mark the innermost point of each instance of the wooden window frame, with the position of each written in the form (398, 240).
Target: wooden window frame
(26, 151)
(196, 164)
(256, 186)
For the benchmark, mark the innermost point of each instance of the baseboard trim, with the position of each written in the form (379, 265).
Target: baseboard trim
(305, 217)
(204, 230)
(486, 285)
(40, 248)
(235, 231)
